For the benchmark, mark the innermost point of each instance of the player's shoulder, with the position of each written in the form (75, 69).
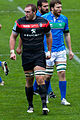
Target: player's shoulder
(46, 15)
(41, 19)
(21, 19)
(63, 17)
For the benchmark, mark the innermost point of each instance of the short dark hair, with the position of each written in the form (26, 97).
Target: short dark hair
(34, 8)
(39, 2)
(53, 2)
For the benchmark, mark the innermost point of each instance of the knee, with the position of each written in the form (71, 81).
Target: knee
(48, 77)
(62, 74)
(40, 80)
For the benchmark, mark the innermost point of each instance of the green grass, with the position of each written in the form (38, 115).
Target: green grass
(13, 104)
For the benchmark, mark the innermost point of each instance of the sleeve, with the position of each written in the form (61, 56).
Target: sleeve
(66, 28)
(16, 28)
(47, 27)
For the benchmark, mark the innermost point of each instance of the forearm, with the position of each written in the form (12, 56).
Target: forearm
(68, 41)
(20, 43)
(12, 41)
(49, 41)
(49, 45)
(0, 26)
(12, 46)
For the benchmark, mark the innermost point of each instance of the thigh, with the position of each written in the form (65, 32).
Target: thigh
(61, 61)
(39, 71)
(28, 66)
(61, 56)
(40, 74)
(40, 60)
(50, 62)
(29, 78)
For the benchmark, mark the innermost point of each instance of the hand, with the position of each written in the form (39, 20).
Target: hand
(13, 56)
(18, 50)
(48, 55)
(71, 55)
(0, 26)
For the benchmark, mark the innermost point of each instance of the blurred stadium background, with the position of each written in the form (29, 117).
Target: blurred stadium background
(13, 103)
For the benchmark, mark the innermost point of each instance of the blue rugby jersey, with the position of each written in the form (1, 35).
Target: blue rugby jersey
(38, 13)
(58, 27)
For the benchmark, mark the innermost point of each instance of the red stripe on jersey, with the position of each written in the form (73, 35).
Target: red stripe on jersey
(28, 26)
(47, 24)
(32, 25)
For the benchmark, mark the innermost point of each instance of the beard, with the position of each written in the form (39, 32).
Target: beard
(44, 12)
(57, 13)
(30, 17)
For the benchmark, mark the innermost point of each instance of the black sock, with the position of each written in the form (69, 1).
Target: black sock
(29, 95)
(47, 85)
(43, 92)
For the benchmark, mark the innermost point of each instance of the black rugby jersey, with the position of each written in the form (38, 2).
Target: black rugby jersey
(32, 32)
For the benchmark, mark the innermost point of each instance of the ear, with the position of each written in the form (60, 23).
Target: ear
(39, 8)
(34, 13)
(52, 8)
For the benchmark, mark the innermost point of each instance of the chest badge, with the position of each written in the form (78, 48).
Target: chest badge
(33, 31)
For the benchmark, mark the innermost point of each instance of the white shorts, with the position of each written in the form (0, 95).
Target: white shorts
(56, 57)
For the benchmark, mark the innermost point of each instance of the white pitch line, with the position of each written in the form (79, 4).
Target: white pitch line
(77, 53)
(20, 9)
(10, 0)
(4, 54)
(75, 57)
(71, 10)
(2, 11)
(65, 10)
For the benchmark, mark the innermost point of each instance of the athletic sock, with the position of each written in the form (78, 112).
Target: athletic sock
(62, 86)
(0, 63)
(0, 80)
(29, 95)
(42, 92)
(47, 85)
(49, 89)
(35, 85)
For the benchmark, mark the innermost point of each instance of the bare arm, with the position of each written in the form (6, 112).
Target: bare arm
(19, 50)
(12, 45)
(68, 42)
(49, 42)
(0, 26)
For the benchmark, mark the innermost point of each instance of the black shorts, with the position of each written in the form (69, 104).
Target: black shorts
(32, 60)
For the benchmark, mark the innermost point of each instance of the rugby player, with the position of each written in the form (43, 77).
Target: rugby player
(42, 6)
(59, 27)
(32, 29)
(4, 67)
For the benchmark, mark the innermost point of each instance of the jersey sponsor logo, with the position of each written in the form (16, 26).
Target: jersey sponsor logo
(60, 21)
(32, 25)
(33, 31)
(57, 25)
(32, 35)
(50, 20)
(43, 25)
(28, 26)
(40, 24)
